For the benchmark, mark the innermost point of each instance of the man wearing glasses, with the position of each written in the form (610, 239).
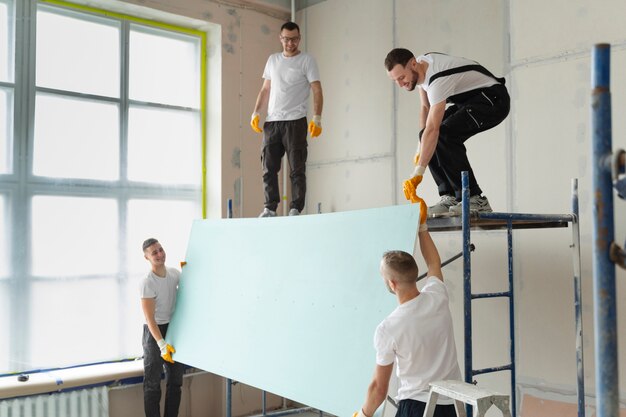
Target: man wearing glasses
(288, 78)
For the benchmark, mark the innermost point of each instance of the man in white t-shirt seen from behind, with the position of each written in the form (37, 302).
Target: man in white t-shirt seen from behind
(288, 79)
(418, 335)
(158, 300)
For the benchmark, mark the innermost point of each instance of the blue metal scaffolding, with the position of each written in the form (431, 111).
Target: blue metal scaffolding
(509, 221)
(608, 169)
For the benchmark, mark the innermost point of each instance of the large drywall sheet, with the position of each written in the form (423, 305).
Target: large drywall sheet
(290, 304)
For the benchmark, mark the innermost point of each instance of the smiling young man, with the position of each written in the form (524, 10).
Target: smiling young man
(288, 78)
(158, 300)
(477, 101)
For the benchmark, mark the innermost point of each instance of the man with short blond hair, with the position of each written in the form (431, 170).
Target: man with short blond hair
(418, 335)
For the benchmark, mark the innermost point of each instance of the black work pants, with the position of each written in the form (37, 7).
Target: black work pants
(472, 112)
(153, 367)
(414, 408)
(280, 137)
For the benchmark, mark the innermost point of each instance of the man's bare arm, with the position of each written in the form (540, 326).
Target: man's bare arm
(378, 388)
(318, 98)
(263, 97)
(430, 137)
(430, 254)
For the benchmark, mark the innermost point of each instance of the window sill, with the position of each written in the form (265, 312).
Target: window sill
(64, 379)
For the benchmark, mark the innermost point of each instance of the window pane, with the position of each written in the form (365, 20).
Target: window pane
(74, 322)
(73, 236)
(78, 52)
(6, 130)
(164, 146)
(5, 334)
(166, 220)
(6, 40)
(76, 138)
(164, 67)
(4, 238)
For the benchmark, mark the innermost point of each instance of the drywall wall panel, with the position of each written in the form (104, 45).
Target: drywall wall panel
(552, 141)
(349, 186)
(473, 30)
(290, 304)
(350, 40)
(551, 132)
(545, 304)
(541, 29)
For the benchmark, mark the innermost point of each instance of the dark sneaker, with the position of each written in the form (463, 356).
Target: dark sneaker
(443, 206)
(477, 203)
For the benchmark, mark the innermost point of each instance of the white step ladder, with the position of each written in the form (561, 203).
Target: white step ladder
(464, 393)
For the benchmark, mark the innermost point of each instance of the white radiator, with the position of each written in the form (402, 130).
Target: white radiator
(93, 402)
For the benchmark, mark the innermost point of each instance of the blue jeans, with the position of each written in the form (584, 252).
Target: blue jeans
(153, 367)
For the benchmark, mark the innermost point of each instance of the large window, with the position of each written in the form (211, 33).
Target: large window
(100, 148)
(7, 36)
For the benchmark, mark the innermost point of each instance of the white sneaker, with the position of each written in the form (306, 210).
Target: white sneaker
(267, 213)
(443, 206)
(477, 203)
(294, 212)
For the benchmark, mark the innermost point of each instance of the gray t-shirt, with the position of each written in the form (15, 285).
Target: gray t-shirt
(164, 291)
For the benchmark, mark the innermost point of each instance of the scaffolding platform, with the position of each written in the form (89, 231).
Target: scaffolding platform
(497, 221)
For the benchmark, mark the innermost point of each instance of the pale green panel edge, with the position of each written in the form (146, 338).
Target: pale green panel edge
(290, 304)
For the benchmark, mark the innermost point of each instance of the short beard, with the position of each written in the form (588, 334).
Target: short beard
(414, 81)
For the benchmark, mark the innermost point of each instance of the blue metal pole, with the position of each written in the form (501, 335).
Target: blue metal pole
(607, 386)
(511, 316)
(229, 397)
(467, 283)
(580, 363)
(264, 402)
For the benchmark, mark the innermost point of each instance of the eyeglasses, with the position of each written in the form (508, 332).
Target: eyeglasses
(285, 39)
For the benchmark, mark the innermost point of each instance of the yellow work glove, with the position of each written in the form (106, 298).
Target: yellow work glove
(254, 123)
(359, 413)
(166, 350)
(315, 126)
(409, 186)
(423, 213)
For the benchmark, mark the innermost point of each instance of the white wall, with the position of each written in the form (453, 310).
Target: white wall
(370, 134)
(551, 63)
(523, 165)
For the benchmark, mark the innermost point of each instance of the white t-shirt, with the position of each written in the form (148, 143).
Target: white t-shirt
(291, 79)
(444, 87)
(164, 291)
(419, 336)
